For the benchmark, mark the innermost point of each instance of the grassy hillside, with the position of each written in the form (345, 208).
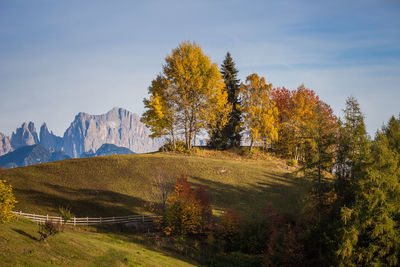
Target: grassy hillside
(19, 247)
(119, 185)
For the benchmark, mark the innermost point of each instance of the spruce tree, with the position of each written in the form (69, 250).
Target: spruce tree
(353, 150)
(370, 233)
(230, 135)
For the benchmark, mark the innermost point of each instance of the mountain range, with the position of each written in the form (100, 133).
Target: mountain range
(85, 136)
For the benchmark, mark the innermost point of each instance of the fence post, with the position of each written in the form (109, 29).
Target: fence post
(20, 213)
(74, 221)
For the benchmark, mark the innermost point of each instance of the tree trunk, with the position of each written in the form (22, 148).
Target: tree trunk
(251, 144)
(186, 130)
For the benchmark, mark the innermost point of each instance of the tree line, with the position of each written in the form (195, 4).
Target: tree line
(352, 213)
(192, 96)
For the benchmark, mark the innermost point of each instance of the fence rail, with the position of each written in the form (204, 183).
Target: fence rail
(86, 220)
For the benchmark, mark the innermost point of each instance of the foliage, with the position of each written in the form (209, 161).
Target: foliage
(188, 212)
(229, 136)
(369, 233)
(285, 245)
(188, 96)
(7, 202)
(258, 110)
(229, 228)
(178, 146)
(47, 229)
(160, 115)
(300, 111)
(353, 152)
(65, 213)
(205, 207)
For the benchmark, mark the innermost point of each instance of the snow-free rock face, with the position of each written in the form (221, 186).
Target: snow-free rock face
(5, 145)
(24, 136)
(118, 126)
(49, 140)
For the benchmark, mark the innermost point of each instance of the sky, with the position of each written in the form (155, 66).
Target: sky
(59, 58)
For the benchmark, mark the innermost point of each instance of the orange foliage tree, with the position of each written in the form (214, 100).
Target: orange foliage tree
(298, 111)
(188, 211)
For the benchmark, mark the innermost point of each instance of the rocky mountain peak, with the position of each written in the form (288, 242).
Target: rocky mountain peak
(24, 136)
(118, 126)
(49, 140)
(5, 145)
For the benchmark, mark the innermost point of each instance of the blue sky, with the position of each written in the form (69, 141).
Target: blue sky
(62, 57)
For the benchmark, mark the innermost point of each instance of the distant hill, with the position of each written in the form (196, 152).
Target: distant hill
(108, 149)
(58, 155)
(29, 155)
(25, 156)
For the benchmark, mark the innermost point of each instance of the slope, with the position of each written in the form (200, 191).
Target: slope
(120, 184)
(19, 247)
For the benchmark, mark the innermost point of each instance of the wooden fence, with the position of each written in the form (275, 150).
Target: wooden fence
(86, 220)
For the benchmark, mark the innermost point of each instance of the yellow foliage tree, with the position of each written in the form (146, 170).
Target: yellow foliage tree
(160, 115)
(7, 202)
(258, 110)
(188, 97)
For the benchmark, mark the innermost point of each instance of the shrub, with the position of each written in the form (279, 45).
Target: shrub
(285, 244)
(179, 146)
(292, 163)
(183, 212)
(65, 213)
(48, 229)
(7, 202)
(205, 207)
(229, 228)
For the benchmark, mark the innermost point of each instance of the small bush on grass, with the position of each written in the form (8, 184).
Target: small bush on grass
(48, 229)
(179, 146)
(7, 202)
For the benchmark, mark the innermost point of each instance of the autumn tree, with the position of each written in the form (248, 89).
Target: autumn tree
(284, 246)
(161, 112)
(230, 134)
(7, 202)
(188, 96)
(205, 207)
(297, 111)
(187, 211)
(258, 110)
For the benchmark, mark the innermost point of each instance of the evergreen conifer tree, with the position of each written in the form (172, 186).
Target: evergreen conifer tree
(370, 233)
(230, 135)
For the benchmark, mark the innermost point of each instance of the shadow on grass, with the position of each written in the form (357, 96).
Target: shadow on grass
(285, 192)
(83, 202)
(21, 232)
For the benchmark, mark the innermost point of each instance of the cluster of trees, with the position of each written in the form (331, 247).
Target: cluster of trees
(192, 96)
(352, 213)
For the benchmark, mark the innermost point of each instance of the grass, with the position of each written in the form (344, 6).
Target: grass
(19, 247)
(120, 184)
